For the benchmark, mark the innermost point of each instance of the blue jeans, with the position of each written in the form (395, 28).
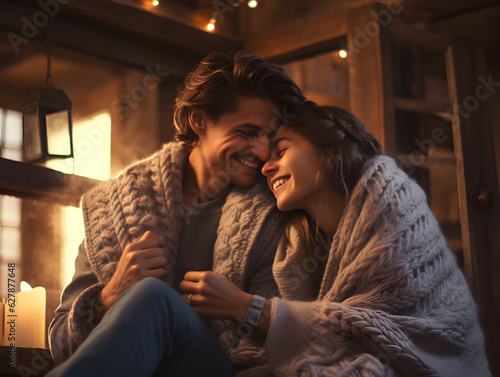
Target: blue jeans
(149, 331)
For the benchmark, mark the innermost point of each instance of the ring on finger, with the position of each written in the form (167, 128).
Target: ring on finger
(189, 299)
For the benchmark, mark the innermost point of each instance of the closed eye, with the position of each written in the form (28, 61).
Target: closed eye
(281, 151)
(248, 134)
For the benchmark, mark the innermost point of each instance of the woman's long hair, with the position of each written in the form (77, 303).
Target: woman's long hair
(344, 147)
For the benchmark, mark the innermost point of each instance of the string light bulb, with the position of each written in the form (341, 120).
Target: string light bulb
(234, 4)
(155, 3)
(343, 53)
(213, 19)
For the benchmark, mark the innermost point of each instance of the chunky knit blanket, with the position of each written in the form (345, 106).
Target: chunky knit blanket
(148, 196)
(392, 302)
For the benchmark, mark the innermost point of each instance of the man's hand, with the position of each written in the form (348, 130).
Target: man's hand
(141, 259)
(214, 296)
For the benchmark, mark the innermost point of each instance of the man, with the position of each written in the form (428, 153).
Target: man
(194, 205)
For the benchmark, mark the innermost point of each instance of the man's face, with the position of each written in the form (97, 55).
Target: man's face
(236, 145)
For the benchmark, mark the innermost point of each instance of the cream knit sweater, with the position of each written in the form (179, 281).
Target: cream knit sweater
(392, 302)
(148, 196)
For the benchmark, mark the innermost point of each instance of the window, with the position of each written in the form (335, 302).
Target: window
(92, 159)
(10, 207)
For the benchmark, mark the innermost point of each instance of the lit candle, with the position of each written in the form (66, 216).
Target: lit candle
(30, 316)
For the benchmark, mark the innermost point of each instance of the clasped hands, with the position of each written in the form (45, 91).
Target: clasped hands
(210, 295)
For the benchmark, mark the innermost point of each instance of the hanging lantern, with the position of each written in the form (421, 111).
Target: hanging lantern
(47, 123)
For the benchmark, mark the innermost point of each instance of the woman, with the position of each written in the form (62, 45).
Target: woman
(368, 285)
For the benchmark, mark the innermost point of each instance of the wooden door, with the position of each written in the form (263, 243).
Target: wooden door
(425, 96)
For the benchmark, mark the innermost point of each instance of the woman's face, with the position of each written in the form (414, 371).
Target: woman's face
(292, 171)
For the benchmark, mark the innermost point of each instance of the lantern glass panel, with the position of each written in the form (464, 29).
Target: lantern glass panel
(58, 137)
(32, 142)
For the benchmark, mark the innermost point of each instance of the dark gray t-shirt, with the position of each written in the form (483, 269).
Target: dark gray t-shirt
(198, 238)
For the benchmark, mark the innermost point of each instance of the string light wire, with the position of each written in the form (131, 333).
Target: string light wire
(234, 4)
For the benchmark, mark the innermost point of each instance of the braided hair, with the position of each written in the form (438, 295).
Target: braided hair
(341, 142)
(344, 147)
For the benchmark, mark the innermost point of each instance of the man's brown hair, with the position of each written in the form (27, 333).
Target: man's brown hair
(220, 79)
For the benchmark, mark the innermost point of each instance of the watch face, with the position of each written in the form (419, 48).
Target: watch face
(253, 315)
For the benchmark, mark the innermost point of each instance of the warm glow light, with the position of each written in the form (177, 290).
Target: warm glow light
(343, 54)
(210, 26)
(30, 316)
(155, 3)
(252, 3)
(92, 136)
(25, 287)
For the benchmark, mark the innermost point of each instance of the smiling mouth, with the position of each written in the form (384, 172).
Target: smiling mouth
(250, 163)
(279, 183)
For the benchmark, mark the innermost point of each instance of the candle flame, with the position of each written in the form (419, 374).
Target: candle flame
(25, 287)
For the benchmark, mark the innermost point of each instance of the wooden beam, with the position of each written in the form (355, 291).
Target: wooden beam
(170, 23)
(306, 51)
(286, 31)
(197, 4)
(116, 32)
(369, 61)
(480, 25)
(37, 182)
(415, 37)
(10, 60)
(97, 40)
(426, 162)
(432, 10)
(278, 28)
(441, 110)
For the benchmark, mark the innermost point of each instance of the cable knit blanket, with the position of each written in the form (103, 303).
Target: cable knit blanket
(392, 302)
(148, 196)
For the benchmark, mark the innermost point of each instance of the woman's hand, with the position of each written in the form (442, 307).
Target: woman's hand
(214, 296)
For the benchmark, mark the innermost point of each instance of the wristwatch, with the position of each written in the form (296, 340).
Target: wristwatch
(254, 312)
